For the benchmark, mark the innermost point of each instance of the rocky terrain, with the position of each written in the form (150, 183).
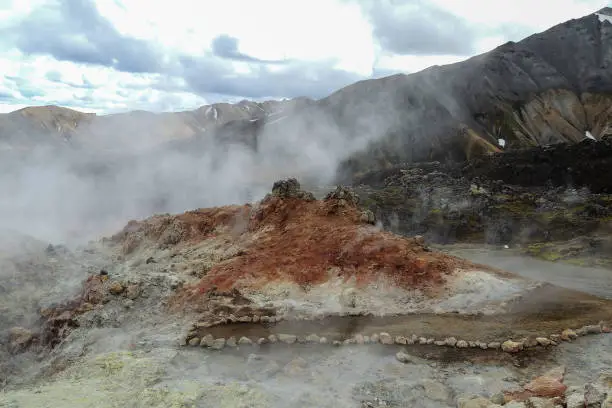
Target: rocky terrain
(449, 246)
(549, 202)
(97, 171)
(291, 298)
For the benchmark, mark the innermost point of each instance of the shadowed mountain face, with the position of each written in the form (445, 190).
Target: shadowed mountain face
(551, 87)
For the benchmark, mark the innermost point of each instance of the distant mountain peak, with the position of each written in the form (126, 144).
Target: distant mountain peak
(607, 11)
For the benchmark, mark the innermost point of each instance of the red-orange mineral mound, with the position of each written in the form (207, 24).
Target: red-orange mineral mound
(291, 237)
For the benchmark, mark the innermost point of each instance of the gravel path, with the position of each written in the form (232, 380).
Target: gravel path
(590, 280)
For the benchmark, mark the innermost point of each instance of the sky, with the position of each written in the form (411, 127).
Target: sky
(110, 56)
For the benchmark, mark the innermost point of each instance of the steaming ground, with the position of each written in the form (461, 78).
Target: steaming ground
(76, 192)
(127, 353)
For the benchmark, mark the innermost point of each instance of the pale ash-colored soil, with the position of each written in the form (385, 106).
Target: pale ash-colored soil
(291, 376)
(127, 353)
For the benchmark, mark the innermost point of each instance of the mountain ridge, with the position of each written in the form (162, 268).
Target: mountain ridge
(551, 87)
(52, 124)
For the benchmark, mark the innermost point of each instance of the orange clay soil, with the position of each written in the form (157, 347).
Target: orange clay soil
(306, 241)
(298, 241)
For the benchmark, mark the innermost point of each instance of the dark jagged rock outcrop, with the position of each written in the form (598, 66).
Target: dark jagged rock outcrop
(585, 164)
(290, 188)
(554, 201)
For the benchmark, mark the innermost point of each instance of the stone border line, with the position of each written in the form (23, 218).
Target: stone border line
(509, 346)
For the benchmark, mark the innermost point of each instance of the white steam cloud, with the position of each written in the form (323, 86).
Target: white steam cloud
(67, 195)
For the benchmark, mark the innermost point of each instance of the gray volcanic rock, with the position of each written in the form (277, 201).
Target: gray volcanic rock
(550, 87)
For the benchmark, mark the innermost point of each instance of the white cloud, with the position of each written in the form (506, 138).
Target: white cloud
(87, 88)
(536, 15)
(335, 33)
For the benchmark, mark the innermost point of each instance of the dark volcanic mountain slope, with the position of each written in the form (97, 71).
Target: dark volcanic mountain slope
(551, 87)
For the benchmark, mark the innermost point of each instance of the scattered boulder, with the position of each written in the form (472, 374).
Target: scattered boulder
(245, 341)
(401, 340)
(367, 217)
(116, 288)
(218, 344)
(60, 322)
(343, 193)
(132, 291)
(385, 338)
(543, 341)
(529, 342)
(510, 346)
(568, 335)
(19, 339)
(451, 341)
(195, 341)
(94, 289)
(287, 338)
(207, 340)
(404, 357)
(290, 188)
(544, 386)
(590, 329)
